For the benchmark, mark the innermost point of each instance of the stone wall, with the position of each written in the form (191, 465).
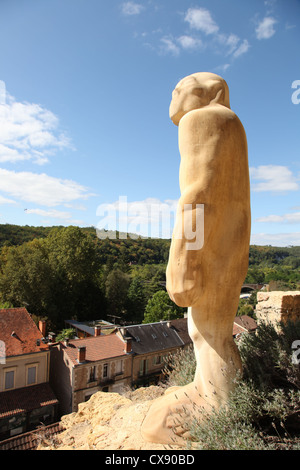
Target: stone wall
(278, 306)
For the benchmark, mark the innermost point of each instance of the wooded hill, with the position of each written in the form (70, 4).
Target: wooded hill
(61, 273)
(144, 250)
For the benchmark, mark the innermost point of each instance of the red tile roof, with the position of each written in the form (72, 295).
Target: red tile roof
(97, 348)
(245, 322)
(19, 332)
(26, 399)
(30, 440)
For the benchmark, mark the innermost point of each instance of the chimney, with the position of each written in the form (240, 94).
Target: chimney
(97, 330)
(81, 354)
(42, 327)
(128, 347)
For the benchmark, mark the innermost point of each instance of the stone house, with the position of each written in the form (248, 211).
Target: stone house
(151, 343)
(26, 398)
(130, 356)
(82, 367)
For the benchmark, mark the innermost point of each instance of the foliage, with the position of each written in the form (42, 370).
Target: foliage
(68, 272)
(54, 277)
(180, 367)
(160, 307)
(66, 333)
(117, 284)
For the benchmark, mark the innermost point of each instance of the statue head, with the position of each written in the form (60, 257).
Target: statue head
(197, 91)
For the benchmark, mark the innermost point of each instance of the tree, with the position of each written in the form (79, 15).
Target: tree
(26, 278)
(161, 307)
(136, 300)
(56, 277)
(117, 284)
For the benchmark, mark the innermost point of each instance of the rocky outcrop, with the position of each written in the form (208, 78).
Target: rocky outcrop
(108, 421)
(278, 306)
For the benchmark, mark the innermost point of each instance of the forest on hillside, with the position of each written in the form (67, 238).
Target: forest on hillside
(61, 273)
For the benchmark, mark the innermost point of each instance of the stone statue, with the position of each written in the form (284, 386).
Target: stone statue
(213, 173)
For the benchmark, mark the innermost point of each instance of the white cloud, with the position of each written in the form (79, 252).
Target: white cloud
(4, 200)
(292, 218)
(242, 49)
(28, 131)
(168, 45)
(131, 8)
(40, 188)
(274, 178)
(201, 19)
(188, 42)
(277, 239)
(231, 41)
(265, 28)
(53, 213)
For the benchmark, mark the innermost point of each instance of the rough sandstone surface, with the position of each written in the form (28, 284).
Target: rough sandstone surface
(108, 421)
(278, 306)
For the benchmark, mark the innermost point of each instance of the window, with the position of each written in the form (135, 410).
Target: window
(157, 360)
(105, 370)
(31, 374)
(92, 377)
(143, 367)
(9, 379)
(119, 367)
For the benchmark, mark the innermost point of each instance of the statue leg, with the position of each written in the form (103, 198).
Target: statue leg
(217, 363)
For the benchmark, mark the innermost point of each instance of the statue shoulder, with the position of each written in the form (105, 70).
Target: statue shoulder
(209, 119)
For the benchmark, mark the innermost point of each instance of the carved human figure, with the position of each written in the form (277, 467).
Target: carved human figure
(207, 279)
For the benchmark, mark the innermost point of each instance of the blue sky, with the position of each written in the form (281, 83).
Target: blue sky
(85, 88)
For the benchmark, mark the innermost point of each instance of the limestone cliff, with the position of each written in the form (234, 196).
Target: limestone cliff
(108, 421)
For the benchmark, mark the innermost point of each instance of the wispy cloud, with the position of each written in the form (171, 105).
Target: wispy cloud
(201, 20)
(5, 200)
(265, 29)
(40, 188)
(278, 239)
(291, 218)
(54, 215)
(242, 49)
(28, 131)
(131, 8)
(189, 42)
(199, 32)
(275, 178)
(168, 45)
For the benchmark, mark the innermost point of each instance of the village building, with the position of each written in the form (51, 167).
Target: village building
(82, 367)
(26, 398)
(151, 344)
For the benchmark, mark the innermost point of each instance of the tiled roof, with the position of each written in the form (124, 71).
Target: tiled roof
(245, 322)
(180, 326)
(19, 332)
(151, 337)
(30, 440)
(26, 399)
(97, 348)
